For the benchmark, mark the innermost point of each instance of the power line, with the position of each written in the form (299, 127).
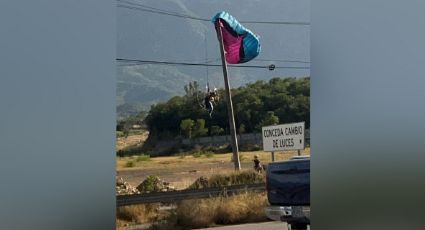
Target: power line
(275, 60)
(141, 7)
(210, 60)
(163, 13)
(135, 61)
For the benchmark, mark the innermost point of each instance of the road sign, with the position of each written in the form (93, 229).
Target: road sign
(283, 137)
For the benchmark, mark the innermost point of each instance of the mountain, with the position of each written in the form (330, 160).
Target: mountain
(144, 35)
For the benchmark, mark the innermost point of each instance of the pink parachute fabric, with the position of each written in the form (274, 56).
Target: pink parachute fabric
(240, 44)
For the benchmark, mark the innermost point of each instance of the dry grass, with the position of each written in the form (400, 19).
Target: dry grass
(234, 178)
(132, 140)
(228, 179)
(177, 161)
(246, 207)
(183, 183)
(139, 214)
(242, 208)
(120, 224)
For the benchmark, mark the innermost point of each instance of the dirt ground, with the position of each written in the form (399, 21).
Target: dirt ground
(182, 172)
(132, 140)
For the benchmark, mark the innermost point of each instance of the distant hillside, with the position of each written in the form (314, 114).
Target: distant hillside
(138, 87)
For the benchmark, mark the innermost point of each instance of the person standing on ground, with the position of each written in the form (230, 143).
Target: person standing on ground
(257, 164)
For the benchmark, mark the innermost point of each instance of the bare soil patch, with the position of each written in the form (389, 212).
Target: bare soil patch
(132, 140)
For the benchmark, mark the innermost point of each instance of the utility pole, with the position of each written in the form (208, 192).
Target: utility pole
(229, 100)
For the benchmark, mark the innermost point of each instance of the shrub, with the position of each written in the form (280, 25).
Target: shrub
(224, 149)
(198, 213)
(219, 180)
(143, 157)
(130, 164)
(150, 184)
(209, 154)
(245, 177)
(217, 149)
(199, 129)
(202, 213)
(130, 150)
(119, 134)
(197, 154)
(187, 127)
(216, 130)
(140, 213)
(210, 148)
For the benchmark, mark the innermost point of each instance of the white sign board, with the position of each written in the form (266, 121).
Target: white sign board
(283, 137)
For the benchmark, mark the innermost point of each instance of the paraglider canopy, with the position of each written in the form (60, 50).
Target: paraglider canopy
(241, 45)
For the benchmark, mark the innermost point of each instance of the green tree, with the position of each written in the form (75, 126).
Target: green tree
(186, 126)
(269, 119)
(199, 130)
(216, 130)
(279, 100)
(242, 129)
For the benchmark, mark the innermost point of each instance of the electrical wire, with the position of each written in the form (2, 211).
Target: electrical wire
(141, 7)
(276, 60)
(136, 61)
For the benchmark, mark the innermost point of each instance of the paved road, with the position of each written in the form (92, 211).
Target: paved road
(275, 225)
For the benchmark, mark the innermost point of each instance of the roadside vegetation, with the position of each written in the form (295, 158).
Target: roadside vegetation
(136, 214)
(246, 207)
(242, 208)
(196, 213)
(225, 210)
(228, 179)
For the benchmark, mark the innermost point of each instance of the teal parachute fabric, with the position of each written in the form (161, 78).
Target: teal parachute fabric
(241, 44)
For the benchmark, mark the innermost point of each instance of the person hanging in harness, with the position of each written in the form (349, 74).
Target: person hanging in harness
(209, 100)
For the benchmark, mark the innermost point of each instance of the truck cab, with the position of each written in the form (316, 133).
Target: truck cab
(288, 191)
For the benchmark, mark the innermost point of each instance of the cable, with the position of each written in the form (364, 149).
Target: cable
(274, 60)
(127, 63)
(135, 61)
(141, 7)
(164, 13)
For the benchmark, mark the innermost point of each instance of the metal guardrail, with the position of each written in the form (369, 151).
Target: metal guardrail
(168, 197)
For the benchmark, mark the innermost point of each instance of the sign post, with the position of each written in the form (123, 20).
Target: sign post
(232, 126)
(284, 137)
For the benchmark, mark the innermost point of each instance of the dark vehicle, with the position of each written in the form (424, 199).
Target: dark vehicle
(288, 191)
